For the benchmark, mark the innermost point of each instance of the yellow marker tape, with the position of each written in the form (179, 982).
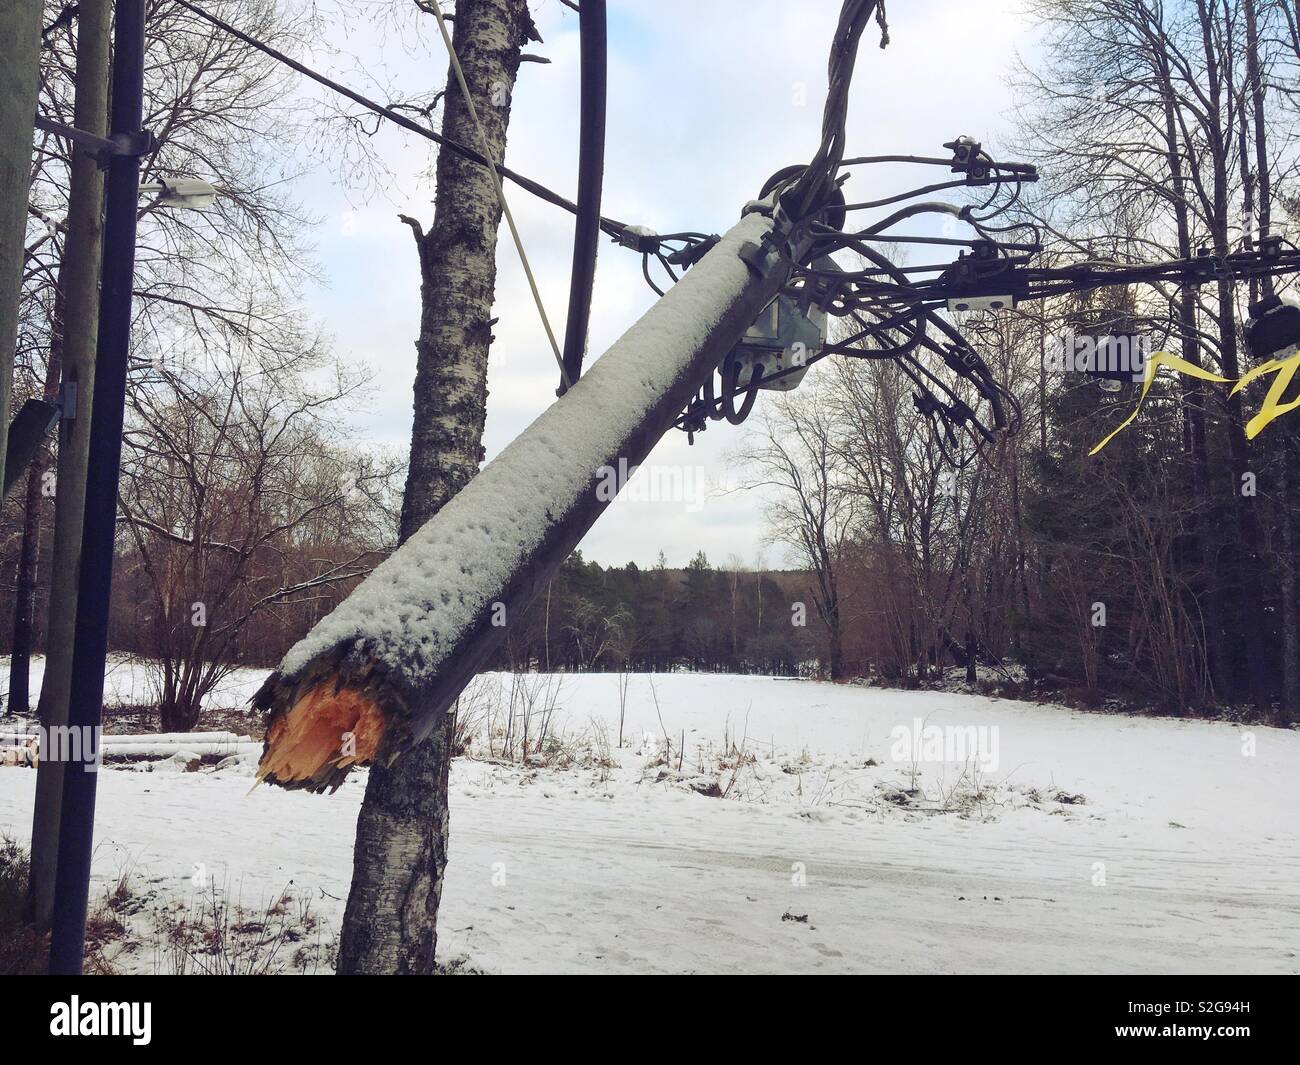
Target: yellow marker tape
(1168, 358)
(1272, 406)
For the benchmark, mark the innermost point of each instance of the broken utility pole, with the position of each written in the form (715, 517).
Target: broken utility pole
(380, 672)
(375, 682)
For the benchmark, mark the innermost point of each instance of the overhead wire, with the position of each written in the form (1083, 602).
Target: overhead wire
(591, 170)
(501, 194)
(620, 231)
(900, 304)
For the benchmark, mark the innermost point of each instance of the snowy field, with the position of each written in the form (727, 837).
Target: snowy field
(764, 825)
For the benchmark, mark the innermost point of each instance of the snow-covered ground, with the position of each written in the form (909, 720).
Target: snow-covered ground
(1040, 840)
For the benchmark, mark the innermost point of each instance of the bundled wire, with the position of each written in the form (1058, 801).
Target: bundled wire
(802, 193)
(904, 324)
(816, 184)
(895, 310)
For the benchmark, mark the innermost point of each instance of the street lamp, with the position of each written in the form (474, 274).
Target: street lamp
(188, 193)
(38, 417)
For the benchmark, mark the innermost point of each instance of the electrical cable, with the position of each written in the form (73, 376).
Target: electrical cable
(811, 194)
(612, 227)
(645, 270)
(501, 194)
(633, 237)
(814, 185)
(591, 170)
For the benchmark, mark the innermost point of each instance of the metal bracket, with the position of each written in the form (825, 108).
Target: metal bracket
(68, 400)
(30, 426)
(103, 149)
(758, 257)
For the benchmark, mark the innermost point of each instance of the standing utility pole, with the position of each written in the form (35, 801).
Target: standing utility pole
(94, 581)
(79, 278)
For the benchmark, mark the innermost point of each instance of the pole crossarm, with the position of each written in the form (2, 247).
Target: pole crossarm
(137, 143)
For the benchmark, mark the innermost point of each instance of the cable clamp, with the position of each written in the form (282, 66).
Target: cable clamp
(639, 238)
(961, 359)
(693, 253)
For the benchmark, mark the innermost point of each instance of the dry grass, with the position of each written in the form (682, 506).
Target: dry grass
(23, 950)
(130, 932)
(215, 935)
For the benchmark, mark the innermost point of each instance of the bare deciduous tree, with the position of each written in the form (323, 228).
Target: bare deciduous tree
(793, 452)
(237, 498)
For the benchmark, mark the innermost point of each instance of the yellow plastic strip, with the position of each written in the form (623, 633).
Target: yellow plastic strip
(1272, 407)
(1173, 362)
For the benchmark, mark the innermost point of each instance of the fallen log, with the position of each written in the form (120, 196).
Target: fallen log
(174, 739)
(135, 751)
(17, 754)
(373, 677)
(25, 749)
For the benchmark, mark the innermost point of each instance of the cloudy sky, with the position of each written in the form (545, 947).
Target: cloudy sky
(706, 99)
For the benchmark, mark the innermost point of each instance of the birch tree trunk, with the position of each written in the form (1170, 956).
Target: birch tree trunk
(401, 847)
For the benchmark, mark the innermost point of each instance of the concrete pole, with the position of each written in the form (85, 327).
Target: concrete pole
(80, 275)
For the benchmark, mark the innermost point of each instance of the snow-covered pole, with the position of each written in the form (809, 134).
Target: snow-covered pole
(372, 677)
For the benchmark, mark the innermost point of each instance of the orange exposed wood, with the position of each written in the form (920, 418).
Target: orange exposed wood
(324, 730)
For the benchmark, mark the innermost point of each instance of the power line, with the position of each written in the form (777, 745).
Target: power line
(807, 192)
(614, 228)
(501, 194)
(591, 176)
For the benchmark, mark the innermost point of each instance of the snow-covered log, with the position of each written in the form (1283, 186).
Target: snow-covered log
(22, 749)
(185, 739)
(373, 676)
(177, 739)
(145, 749)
